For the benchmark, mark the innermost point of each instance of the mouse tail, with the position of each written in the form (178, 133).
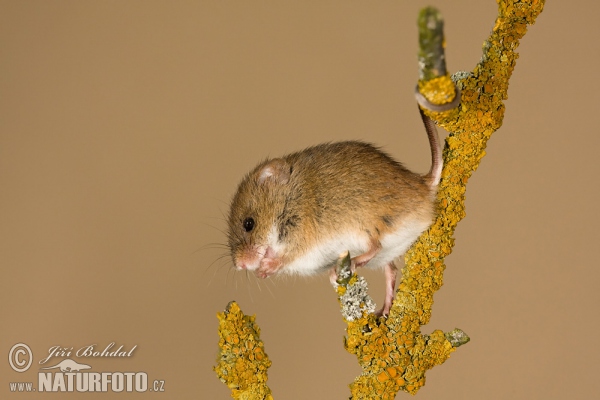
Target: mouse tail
(437, 162)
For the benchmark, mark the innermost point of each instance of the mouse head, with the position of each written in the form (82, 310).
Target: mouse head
(254, 218)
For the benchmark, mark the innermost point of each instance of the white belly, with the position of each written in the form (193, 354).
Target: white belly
(395, 244)
(325, 255)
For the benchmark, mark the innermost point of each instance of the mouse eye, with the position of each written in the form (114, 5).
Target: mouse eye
(248, 224)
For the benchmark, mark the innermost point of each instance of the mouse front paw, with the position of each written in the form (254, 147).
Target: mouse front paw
(268, 267)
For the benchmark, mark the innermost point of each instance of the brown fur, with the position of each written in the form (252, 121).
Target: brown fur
(320, 191)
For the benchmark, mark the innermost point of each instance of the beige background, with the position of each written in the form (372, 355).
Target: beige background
(125, 127)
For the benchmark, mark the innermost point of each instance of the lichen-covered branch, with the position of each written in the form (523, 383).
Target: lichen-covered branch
(393, 356)
(242, 363)
(392, 352)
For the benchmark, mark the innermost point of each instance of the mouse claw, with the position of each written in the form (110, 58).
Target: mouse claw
(384, 312)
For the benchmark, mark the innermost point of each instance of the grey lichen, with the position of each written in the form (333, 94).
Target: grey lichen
(459, 76)
(353, 291)
(457, 337)
(356, 301)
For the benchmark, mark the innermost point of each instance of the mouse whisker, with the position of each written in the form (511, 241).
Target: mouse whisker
(267, 282)
(221, 218)
(248, 287)
(226, 261)
(256, 280)
(227, 277)
(219, 258)
(210, 246)
(217, 229)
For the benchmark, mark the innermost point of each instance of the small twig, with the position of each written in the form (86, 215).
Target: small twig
(431, 58)
(352, 291)
(242, 363)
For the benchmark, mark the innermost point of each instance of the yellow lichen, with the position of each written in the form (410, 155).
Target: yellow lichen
(480, 113)
(438, 90)
(242, 363)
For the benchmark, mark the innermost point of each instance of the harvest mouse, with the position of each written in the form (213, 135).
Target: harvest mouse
(298, 213)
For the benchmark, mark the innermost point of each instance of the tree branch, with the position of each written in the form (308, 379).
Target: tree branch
(392, 352)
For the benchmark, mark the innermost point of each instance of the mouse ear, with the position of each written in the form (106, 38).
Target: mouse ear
(276, 169)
